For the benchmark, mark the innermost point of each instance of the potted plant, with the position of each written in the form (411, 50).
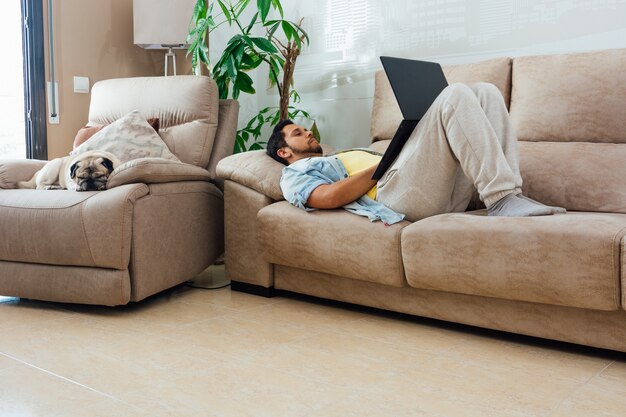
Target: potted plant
(278, 48)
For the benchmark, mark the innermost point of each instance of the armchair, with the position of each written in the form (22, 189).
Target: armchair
(158, 224)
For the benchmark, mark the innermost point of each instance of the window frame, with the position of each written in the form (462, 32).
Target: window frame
(34, 79)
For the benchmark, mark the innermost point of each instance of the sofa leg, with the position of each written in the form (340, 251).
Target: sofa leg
(253, 289)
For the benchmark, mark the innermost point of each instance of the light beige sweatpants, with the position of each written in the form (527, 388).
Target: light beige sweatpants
(464, 142)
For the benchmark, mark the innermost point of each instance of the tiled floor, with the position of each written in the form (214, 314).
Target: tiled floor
(194, 352)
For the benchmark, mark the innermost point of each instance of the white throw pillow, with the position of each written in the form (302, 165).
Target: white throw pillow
(128, 138)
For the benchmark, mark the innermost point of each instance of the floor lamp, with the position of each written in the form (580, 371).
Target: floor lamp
(162, 24)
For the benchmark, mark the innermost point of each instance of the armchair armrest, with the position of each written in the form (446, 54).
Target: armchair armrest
(254, 169)
(155, 170)
(15, 170)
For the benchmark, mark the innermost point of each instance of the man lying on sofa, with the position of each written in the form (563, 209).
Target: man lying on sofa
(463, 143)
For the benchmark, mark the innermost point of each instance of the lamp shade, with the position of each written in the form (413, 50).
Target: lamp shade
(159, 24)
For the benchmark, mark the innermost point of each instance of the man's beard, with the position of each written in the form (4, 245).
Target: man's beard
(315, 148)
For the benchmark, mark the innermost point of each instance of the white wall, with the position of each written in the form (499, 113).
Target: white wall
(335, 74)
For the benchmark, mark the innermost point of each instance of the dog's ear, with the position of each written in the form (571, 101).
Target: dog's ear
(73, 169)
(108, 164)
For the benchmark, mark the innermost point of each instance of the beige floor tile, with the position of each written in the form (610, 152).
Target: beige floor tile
(420, 404)
(405, 333)
(616, 371)
(233, 336)
(240, 389)
(343, 360)
(155, 314)
(192, 352)
(226, 298)
(16, 312)
(26, 391)
(457, 381)
(6, 362)
(107, 361)
(307, 315)
(504, 356)
(603, 396)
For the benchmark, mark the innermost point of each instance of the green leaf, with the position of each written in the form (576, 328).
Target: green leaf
(264, 8)
(241, 7)
(252, 22)
(248, 61)
(316, 133)
(295, 96)
(244, 83)
(273, 29)
(225, 11)
(264, 45)
(240, 144)
(199, 10)
(294, 32)
(300, 30)
(277, 5)
(231, 67)
(288, 30)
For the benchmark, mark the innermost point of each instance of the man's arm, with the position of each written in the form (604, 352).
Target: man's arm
(340, 193)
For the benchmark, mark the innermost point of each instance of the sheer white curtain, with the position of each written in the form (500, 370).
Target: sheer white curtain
(12, 127)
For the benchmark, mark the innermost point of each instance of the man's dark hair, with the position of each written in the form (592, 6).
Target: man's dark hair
(277, 141)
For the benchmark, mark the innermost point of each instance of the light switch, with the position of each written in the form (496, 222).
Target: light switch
(81, 85)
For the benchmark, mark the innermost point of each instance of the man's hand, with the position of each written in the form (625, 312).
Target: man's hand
(340, 193)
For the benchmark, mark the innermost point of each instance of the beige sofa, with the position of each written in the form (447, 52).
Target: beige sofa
(559, 277)
(159, 223)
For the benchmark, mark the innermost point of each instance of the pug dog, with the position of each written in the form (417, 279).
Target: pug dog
(87, 171)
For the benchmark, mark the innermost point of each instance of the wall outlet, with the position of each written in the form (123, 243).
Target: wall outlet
(81, 85)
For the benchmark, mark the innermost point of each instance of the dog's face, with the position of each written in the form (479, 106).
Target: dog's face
(91, 172)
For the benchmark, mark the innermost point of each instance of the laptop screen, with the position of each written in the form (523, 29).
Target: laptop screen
(416, 84)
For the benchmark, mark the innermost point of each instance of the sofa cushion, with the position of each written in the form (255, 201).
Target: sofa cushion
(187, 107)
(577, 176)
(154, 171)
(332, 241)
(569, 260)
(254, 169)
(386, 114)
(570, 98)
(67, 227)
(14, 170)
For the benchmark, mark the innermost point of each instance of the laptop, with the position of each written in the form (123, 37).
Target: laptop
(416, 84)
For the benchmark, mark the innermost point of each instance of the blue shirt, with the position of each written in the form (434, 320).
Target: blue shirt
(305, 175)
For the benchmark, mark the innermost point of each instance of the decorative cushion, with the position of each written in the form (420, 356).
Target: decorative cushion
(128, 138)
(86, 132)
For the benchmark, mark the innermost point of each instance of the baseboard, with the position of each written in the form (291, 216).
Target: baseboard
(253, 289)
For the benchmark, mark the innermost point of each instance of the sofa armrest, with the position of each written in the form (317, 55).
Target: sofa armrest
(154, 171)
(14, 170)
(255, 170)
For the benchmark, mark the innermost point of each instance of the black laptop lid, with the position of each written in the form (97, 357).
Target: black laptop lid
(416, 84)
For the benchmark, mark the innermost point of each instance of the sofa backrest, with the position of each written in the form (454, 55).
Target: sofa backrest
(569, 111)
(187, 107)
(386, 114)
(577, 97)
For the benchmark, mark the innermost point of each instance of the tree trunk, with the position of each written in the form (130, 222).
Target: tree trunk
(288, 68)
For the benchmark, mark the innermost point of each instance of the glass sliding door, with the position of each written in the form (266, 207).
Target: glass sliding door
(34, 98)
